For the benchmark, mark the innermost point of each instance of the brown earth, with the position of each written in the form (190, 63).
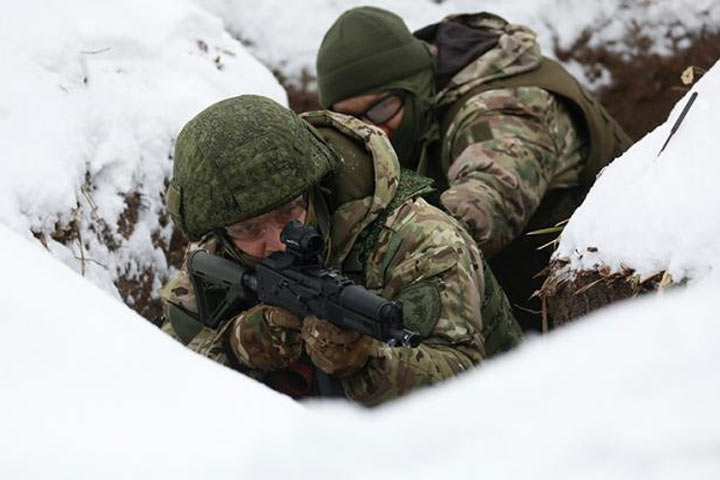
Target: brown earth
(567, 295)
(301, 98)
(645, 87)
(137, 290)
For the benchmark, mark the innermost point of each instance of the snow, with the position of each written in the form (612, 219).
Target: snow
(652, 213)
(286, 35)
(625, 394)
(93, 95)
(92, 390)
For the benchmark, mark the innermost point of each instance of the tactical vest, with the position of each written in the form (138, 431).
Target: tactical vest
(500, 329)
(519, 265)
(607, 138)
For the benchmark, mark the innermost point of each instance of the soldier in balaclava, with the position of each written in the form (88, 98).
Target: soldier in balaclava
(511, 140)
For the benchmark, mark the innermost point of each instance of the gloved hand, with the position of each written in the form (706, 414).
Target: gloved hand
(266, 338)
(333, 350)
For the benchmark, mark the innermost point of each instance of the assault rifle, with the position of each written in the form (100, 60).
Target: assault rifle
(297, 281)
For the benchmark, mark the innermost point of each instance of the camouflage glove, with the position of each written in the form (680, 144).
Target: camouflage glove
(333, 350)
(266, 338)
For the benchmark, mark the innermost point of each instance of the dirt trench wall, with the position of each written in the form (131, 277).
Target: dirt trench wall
(567, 294)
(645, 86)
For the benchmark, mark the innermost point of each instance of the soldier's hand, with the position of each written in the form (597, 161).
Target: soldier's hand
(266, 338)
(335, 351)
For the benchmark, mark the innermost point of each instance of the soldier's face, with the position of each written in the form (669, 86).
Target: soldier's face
(260, 236)
(384, 110)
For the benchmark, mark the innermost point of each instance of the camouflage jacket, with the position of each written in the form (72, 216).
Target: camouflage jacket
(506, 147)
(421, 256)
(520, 144)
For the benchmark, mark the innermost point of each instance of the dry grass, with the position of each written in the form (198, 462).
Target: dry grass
(567, 294)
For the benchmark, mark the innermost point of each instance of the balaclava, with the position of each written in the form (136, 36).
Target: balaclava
(370, 50)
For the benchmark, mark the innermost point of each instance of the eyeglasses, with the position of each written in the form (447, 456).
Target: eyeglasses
(385, 108)
(255, 228)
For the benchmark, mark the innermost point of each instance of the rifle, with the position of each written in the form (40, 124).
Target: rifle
(297, 281)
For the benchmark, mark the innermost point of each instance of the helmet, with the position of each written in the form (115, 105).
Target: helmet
(240, 158)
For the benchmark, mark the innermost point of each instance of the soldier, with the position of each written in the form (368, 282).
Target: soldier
(512, 141)
(244, 168)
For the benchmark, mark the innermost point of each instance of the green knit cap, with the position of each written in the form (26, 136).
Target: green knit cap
(366, 48)
(240, 158)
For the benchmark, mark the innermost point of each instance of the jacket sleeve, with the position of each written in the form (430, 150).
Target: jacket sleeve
(428, 262)
(505, 149)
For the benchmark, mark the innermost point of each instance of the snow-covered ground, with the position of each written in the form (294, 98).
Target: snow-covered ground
(89, 389)
(652, 213)
(93, 93)
(286, 34)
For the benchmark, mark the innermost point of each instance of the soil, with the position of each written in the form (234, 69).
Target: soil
(651, 81)
(567, 295)
(137, 290)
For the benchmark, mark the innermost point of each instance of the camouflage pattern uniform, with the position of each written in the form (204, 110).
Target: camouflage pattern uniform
(506, 147)
(520, 144)
(420, 256)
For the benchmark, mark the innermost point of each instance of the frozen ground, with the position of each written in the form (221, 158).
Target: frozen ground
(91, 390)
(652, 213)
(94, 93)
(286, 34)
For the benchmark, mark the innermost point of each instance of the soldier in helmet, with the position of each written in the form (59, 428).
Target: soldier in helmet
(247, 166)
(512, 141)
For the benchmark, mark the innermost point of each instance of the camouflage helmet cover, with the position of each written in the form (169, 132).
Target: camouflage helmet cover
(240, 158)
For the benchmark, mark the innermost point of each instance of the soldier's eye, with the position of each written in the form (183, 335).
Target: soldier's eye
(245, 231)
(386, 107)
(385, 110)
